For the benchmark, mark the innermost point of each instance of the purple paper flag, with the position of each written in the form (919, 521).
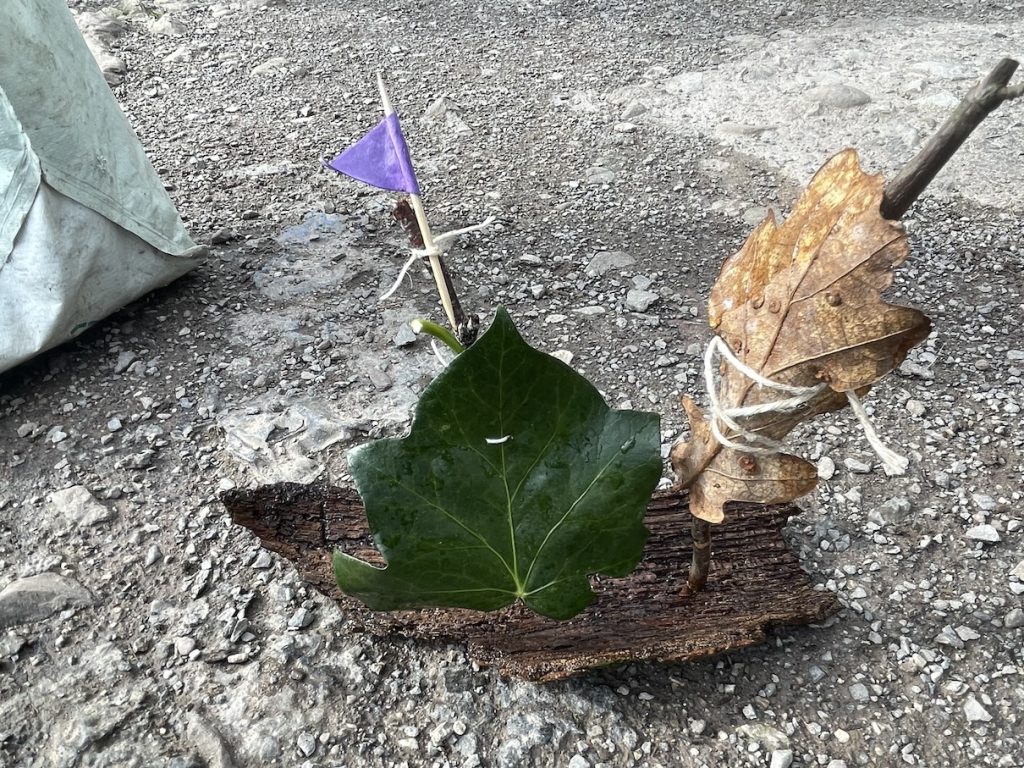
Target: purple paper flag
(380, 158)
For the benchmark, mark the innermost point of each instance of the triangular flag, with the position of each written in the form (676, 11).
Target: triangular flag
(380, 158)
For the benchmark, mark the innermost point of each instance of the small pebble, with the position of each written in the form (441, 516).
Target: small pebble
(857, 466)
(983, 533)
(263, 560)
(974, 712)
(1014, 619)
(826, 470)
(153, 554)
(306, 744)
(301, 619)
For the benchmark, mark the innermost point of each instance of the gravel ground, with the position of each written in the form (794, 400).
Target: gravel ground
(623, 163)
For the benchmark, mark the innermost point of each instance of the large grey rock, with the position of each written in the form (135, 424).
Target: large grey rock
(1014, 619)
(839, 96)
(273, 66)
(105, 28)
(684, 84)
(99, 31)
(860, 693)
(79, 732)
(974, 712)
(638, 300)
(765, 735)
(209, 742)
(608, 260)
(862, 95)
(166, 26)
(36, 597)
(76, 505)
(894, 510)
(826, 468)
(983, 533)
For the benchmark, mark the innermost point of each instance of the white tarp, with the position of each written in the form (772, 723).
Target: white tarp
(85, 223)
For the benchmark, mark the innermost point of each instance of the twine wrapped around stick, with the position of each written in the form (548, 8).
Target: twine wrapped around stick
(753, 442)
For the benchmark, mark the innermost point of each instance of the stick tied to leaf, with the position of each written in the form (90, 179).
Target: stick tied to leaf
(802, 330)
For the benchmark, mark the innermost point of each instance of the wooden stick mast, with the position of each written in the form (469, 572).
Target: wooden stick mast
(421, 218)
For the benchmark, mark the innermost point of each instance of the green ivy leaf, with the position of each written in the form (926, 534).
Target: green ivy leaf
(516, 481)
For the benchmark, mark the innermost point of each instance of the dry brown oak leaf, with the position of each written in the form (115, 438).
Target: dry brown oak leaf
(801, 304)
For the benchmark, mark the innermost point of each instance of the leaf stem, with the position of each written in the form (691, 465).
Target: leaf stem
(439, 332)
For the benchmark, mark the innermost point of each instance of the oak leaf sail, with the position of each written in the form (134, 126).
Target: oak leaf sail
(800, 304)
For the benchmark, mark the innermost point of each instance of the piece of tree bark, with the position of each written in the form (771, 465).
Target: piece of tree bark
(757, 584)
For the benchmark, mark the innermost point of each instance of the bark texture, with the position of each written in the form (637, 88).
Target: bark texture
(755, 583)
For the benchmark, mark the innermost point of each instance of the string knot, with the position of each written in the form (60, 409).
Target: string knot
(750, 441)
(440, 244)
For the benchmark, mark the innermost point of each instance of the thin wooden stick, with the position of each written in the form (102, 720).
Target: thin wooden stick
(980, 101)
(701, 561)
(421, 218)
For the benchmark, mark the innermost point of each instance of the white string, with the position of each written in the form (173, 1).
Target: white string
(892, 462)
(441, 358)
(440, 242)
(753, 442)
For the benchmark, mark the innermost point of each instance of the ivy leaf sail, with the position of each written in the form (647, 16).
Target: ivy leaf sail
(516, 482)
